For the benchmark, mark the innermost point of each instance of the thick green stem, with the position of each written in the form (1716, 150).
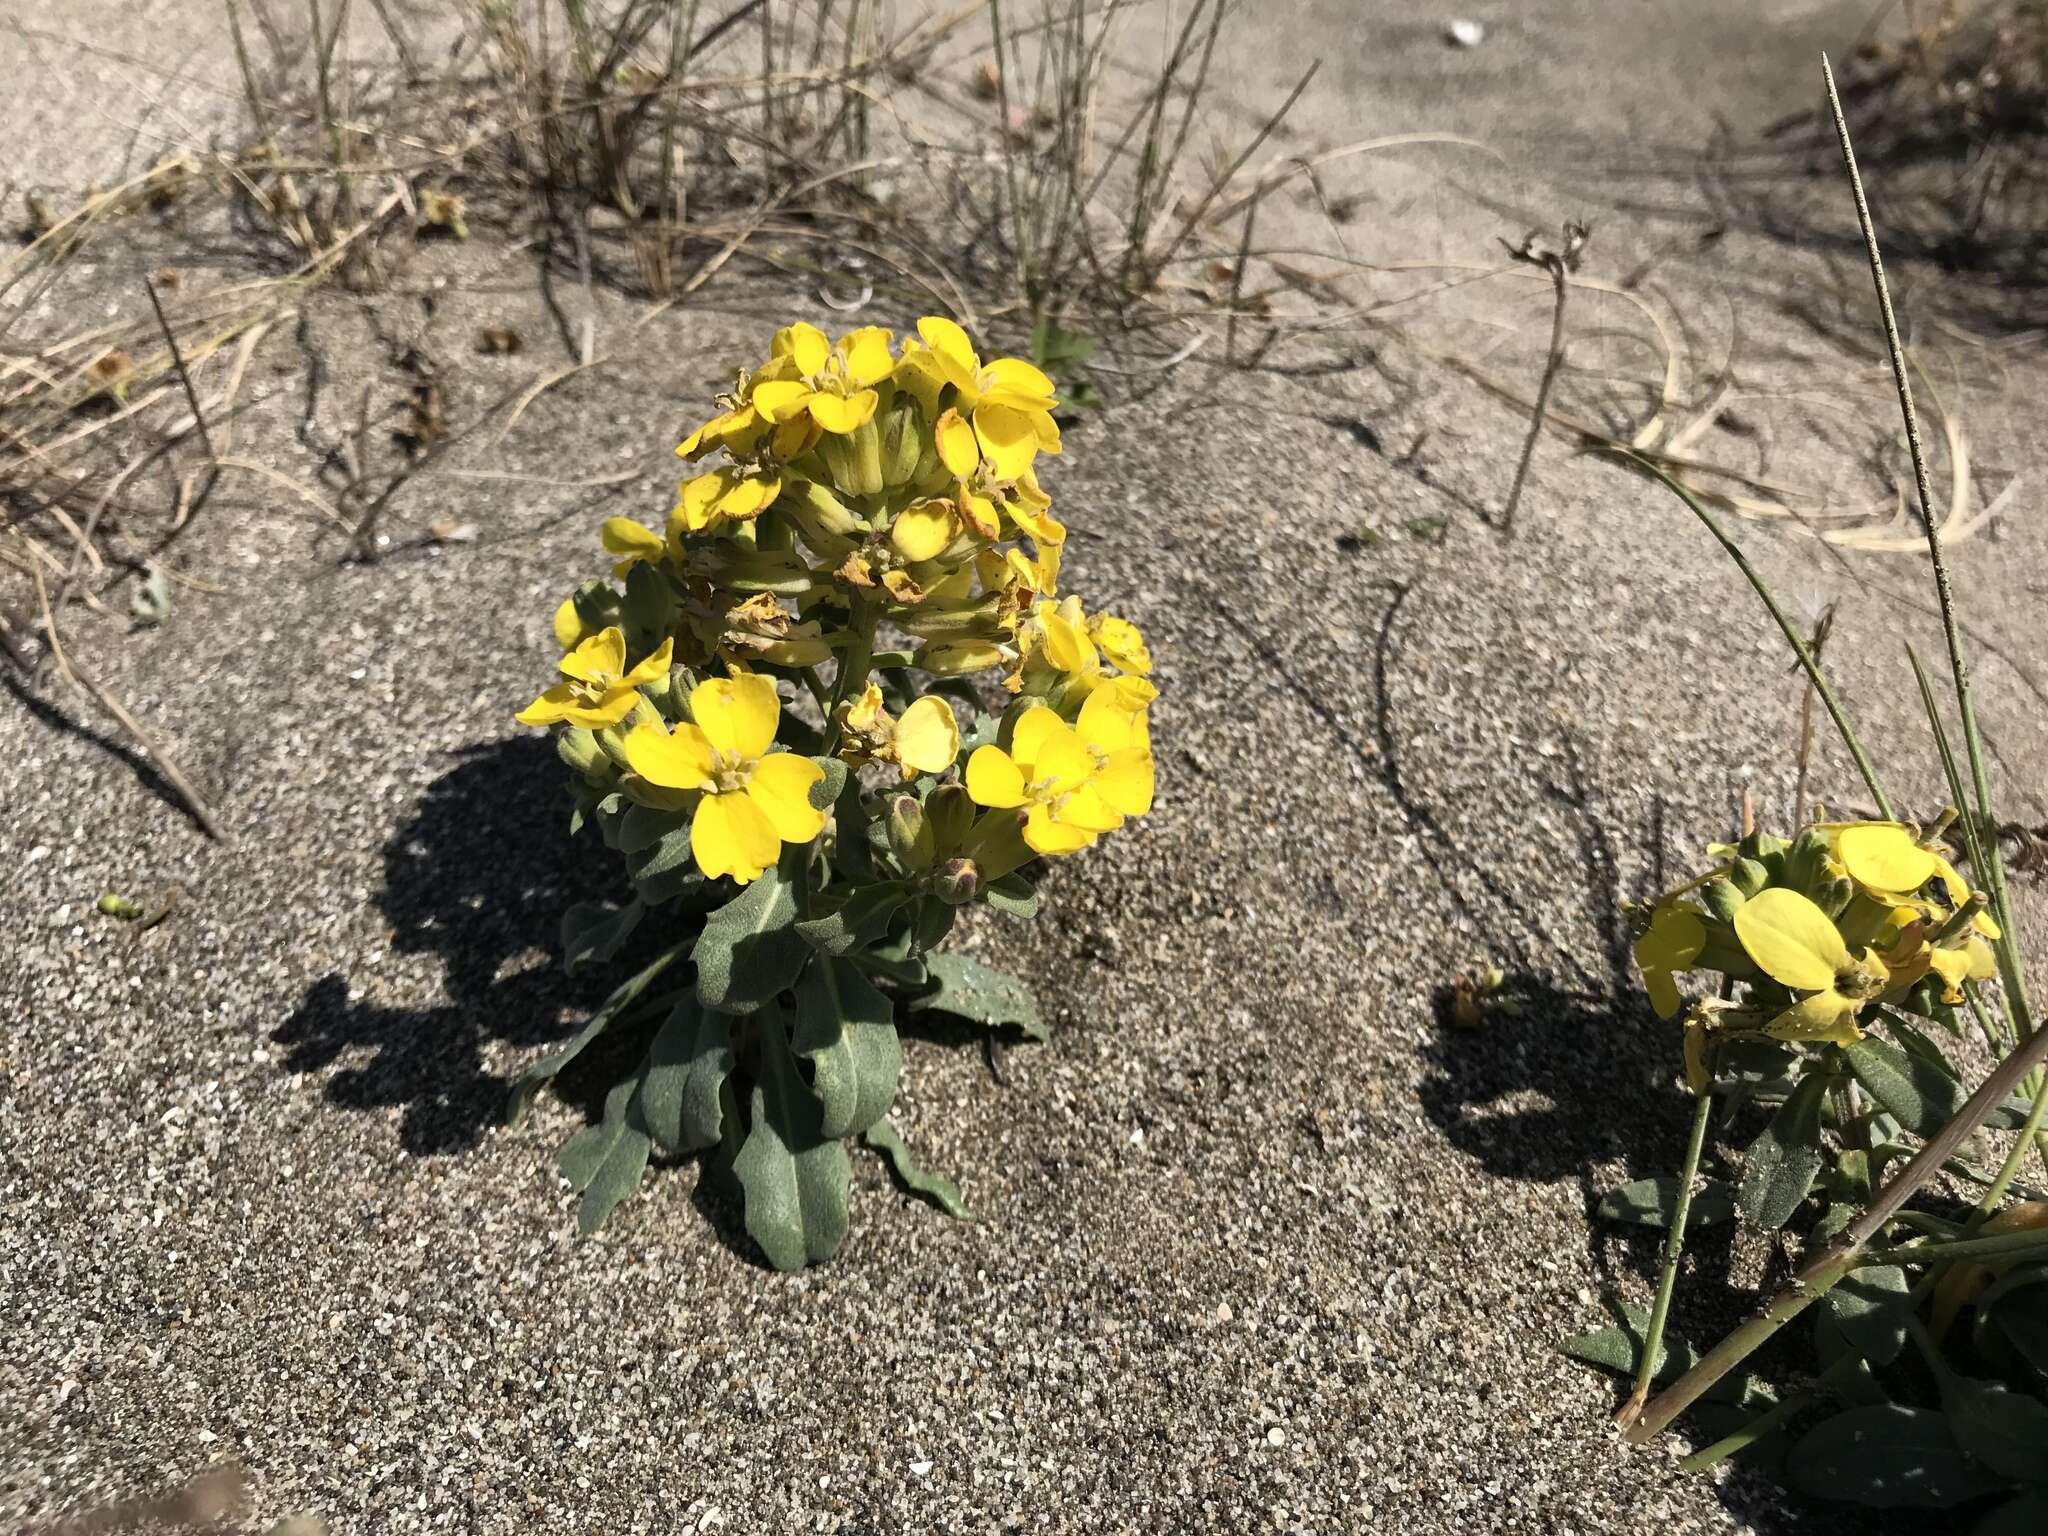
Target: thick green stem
(1674, 1250)
(2000, 1245)
(1799, 647)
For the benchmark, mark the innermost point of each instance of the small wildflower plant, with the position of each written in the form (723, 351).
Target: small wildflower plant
(835, 701)
(1845, 974)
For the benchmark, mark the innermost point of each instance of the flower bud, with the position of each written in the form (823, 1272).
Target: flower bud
(1748, 876)
(952, 658)
(1805, 863)
(906, 443)
(949, 812)
(910, 834)
(1723, 899)
(579, 749)
(957, 882)
(854, 459)
(1834, 895)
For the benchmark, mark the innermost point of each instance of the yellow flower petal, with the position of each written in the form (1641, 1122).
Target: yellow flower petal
(1066, 644)
(623, 536)
(1671, 943)
(1008, 440)
(868, 359)
(550, 707)
(804, 345)
(1042, 834)
(609, 710)
(1122, 643)
(731, 835)
(993, 778)
(1063, 762)
(951, 349)
(959, 450)
(1125, 782)
(1034, 728)
(923, 529)
(1012, 381)
(738, 715)
(841, 415)
(600, 659)
(678, 759)
(569, 630)
(1824, 1016)
(654, 667)
(781, 786)
(928, 736)
(1792, 941)
(1882, 856)
(780, 399)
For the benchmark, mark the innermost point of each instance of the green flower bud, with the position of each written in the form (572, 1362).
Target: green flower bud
(854, 459)
(1723, 899)
(1805, 863)
(949, 813)
(908, 451)
(957, 882)
(1748, 876)
(910, 834)
(1834, 895)
(579, 749)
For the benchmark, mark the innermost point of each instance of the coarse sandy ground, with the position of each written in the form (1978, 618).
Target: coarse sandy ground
(1262, 1245)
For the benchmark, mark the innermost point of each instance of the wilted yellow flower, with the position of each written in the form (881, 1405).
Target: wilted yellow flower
(1120, 641)
(1797, 945)
(731, 493)
(739, 430)
(834, 384)
(1001, 412)
(754, 799)
(597, 690)
(1895, 871)
(924, 739)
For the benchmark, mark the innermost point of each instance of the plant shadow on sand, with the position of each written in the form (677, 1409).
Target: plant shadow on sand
(479, 876)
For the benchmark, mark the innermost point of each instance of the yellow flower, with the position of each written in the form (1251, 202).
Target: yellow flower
(1797, 945)
(754, 800)
(1114, 730)
(924, 739)
(1894, 870)
(728, 494)
(570, 630)
(1046, 773)
(623, 537)
(925, 529)
(1121, 642)
(597, 690)
(834, 384)
(738, 430)
(1001, 412)
(1670, 944)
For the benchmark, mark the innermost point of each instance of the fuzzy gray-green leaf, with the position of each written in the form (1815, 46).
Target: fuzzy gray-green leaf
(847, 1029)
(2006, 1430)
(966, 987)
(934, 1188)
(687, 1064)
(1872, 1307)
(1888, 1457)
(1782, 1163)
(750, 949)
(593, 933)
(1919, 1094)
(1651, 1202)
(623, 997)
(857, 922)
(605, 1161)
(794, 1179)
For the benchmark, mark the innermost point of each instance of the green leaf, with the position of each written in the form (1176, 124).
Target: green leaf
(2016, 1311)
(2006, 1430)
(605, 1161)
(1782, 1163)
(966, 987)
(1014, 895)
(934, 1188)
(750, 949)
(857, 922)
(645, 612)
(593, 932)
(847, 1030)
(1919, 1094)
(643, 826)
(1650, 1203)
(826, 792)
(793, 1178)
(1872, 1307)
(2026, 1515)
(1888, 1457)
(623, 997)
(687, 1065)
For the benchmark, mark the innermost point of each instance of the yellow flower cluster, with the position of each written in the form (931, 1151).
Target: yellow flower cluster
(1848, 915)
(849, 496)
